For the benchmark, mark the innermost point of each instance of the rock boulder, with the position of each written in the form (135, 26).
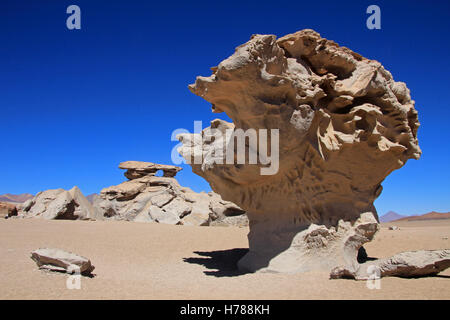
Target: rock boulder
(406, 265)
(146, 197)
(340, 124)
(61, 261)
(60, 204)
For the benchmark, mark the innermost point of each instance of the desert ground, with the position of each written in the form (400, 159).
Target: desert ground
(157, 261)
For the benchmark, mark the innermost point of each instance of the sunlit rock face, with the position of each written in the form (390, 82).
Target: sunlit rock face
(146, 197)
(344, 125)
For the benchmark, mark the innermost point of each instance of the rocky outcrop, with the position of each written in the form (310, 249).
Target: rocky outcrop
(62, 261)
(343, 125)
(60, 204)
(7, 210)
(146, 197)
(406, 264)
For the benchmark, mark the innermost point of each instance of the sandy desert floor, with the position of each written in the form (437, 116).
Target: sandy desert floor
(156, 261)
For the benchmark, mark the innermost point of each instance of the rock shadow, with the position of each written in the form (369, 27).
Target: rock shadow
(223, 262)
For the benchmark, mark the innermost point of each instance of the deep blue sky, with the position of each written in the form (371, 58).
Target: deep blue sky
(73, 104)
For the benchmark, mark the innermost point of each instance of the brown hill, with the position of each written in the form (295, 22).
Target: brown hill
(390, 216)
(427, 216)
(16, 198)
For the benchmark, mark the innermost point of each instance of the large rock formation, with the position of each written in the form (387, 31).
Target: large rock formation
(60, 204)
(344, 125)
(146, 197)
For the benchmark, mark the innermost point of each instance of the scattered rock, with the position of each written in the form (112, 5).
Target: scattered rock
(149, 198)
(62, 261)
(60, 204)
(7, 210)
(394, 228)
(406, 264)
(344, 124)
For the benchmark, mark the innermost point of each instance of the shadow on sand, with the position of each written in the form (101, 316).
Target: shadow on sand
(223, 262)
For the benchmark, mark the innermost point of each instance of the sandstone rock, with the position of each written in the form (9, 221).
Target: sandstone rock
(195, 219)
(7, 210)
(236, 221)
(62, 261)
(138, 169)
(162, 199)
(149, 198)
(344, 125)
(405, 264)
(60, 204)
(145, 214)
(179, 207)
(162, 216)
(317, 248)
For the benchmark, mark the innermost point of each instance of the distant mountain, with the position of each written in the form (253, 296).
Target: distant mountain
(15, 198)
(427, 216)
(391, 216)
(91, 197)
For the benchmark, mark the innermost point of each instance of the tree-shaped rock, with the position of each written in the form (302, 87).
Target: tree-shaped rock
(344, 125)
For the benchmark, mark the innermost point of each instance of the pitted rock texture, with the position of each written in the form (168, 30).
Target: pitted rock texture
(149, 198)
(344, 125)
(59, 204)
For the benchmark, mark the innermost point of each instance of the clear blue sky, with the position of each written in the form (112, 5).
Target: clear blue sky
(73, 104)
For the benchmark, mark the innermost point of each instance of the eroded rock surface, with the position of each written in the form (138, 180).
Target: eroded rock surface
(62, 261)
(149, 198)
(344, 125)
(406, 264)
(59, 204)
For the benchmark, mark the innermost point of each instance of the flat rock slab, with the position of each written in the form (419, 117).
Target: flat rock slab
(62, 261)
(139, 169)
(409, 264)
